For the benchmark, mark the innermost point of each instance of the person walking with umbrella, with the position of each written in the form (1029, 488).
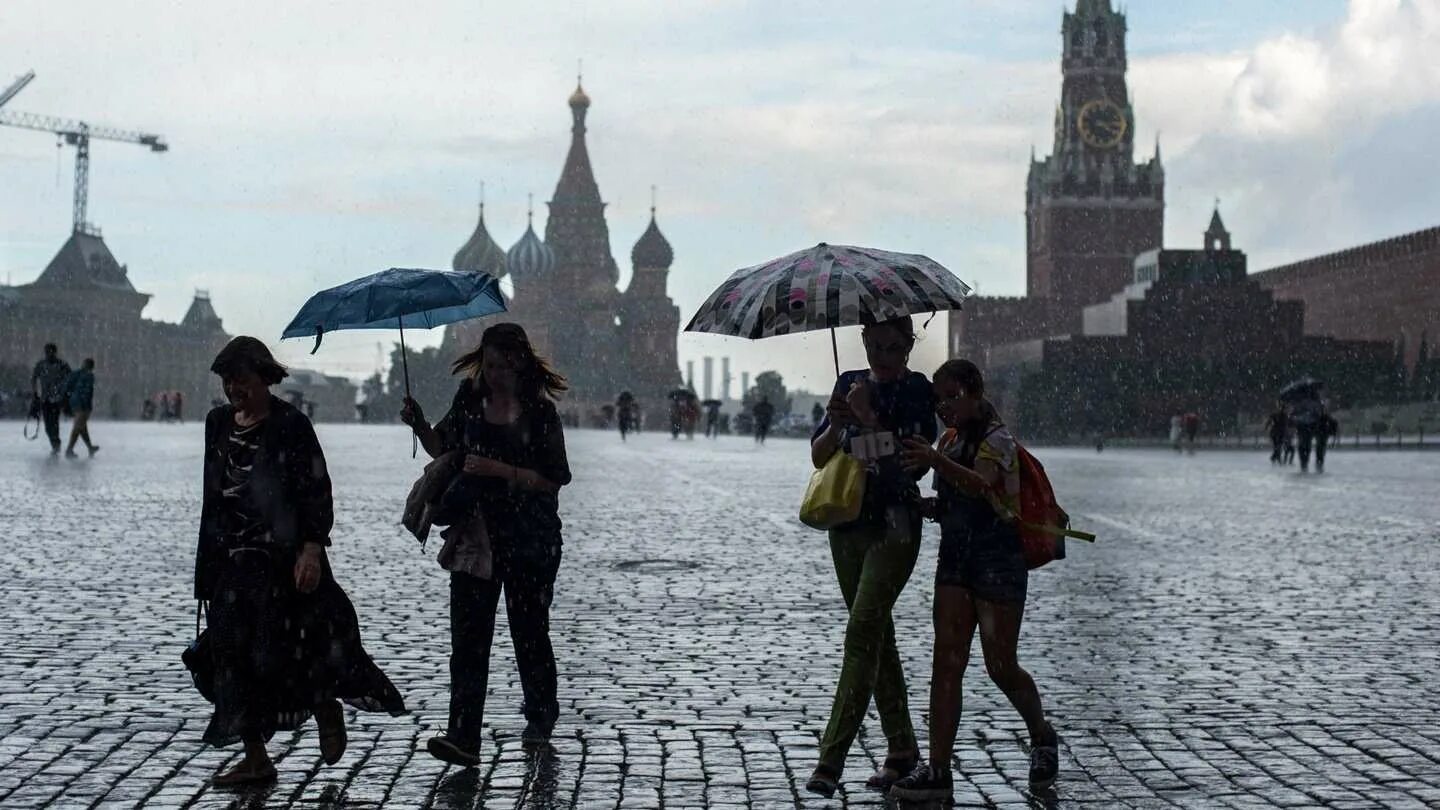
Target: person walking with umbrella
(871, 409)
(282, 641)
(1307, 413)
(503, 417)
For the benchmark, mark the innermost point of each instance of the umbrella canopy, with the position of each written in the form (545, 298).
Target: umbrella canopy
(825, 287)
(1303, 388)
(396, 298)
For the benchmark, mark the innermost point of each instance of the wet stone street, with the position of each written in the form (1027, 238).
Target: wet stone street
(1241, 636)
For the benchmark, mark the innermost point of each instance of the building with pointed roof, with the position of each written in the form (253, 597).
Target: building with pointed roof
(84, 302)
(566, 294)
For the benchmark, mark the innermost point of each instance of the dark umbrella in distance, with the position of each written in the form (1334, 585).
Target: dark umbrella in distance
(1303, 388)
(394, 299)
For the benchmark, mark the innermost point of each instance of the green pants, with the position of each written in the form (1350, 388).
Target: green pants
(873, 564)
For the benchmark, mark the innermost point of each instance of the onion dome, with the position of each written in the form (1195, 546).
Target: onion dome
(652, 250)
(480, 254)
(530, 257)
(579, 98)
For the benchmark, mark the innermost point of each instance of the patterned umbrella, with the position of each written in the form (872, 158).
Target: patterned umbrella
(825, 287)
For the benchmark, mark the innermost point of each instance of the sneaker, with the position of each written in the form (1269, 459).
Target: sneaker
(925, 783)
(1045, 762)
(447, 750)
(94, 448)
(535, 735)
(71, 454)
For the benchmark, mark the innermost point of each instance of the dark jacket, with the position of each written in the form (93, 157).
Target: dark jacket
(536, 443)
(289, 487)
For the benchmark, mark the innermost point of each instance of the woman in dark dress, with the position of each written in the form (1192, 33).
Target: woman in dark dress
(503, 418)
(875, 555)
(282, 639)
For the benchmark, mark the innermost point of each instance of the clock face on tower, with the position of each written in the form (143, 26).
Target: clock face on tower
(1101, 123)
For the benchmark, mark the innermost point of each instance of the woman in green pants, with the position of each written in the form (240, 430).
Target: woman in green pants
(875, 555)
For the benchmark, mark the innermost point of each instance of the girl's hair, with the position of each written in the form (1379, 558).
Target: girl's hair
(245, 353)
(536, 378)
(903, 324)
(967, 375)
(964, 373)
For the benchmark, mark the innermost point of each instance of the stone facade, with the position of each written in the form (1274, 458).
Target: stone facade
(84, 302)
(1191, 332)
(1387, 290)
(603, 339)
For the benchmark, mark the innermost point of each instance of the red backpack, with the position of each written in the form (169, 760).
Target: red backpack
(1042, 523)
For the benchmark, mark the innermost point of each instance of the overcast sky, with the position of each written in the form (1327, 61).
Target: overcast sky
(313, 142)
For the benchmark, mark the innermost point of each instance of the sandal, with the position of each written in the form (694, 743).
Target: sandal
(244, 774)
(824, 781)
(330, 720)
(895, 768)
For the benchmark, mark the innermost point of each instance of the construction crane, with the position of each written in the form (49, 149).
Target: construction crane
(78, 135)
(15, 87)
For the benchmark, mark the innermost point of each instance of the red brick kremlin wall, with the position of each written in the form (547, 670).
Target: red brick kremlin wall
(1380, 291)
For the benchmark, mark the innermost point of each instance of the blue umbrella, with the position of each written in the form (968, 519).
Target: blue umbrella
(394, 299)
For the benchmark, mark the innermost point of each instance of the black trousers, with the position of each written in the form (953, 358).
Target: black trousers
(528, 587)
(1307, 436)
(50, 411)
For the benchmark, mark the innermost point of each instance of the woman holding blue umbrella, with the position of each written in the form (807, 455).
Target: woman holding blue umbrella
(503, 419)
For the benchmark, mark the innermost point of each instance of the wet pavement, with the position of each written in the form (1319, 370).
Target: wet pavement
(1241, 636)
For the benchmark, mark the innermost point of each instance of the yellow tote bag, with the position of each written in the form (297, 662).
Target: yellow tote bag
(834, 494)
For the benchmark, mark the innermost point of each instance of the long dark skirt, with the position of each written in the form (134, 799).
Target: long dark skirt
(270, 654)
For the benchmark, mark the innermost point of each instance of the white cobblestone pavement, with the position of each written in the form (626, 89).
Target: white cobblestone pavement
(1241, 636)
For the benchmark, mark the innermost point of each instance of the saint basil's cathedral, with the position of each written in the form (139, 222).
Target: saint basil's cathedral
(565, 294)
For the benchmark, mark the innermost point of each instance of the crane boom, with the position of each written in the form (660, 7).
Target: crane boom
(78, 134)
(15, 87)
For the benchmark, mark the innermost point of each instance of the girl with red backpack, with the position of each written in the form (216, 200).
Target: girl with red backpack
(981, 575)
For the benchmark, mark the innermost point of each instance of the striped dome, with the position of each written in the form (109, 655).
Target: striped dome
(530, 257)
(480, 254)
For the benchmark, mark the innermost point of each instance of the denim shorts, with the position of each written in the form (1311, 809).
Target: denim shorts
(985, 559)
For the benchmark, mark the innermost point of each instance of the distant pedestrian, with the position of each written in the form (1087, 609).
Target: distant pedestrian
(981, 578)
(1278, 426)
(1308, 414)
(81, 387)
(1192, 429)
(1326, 430)
(282, 641)
(764, 414)
(712, 418)
(1177, 425)
(625, 413)
(874, 555)
(178, 408)
(48, 384)
(816, 414)
(503, 419)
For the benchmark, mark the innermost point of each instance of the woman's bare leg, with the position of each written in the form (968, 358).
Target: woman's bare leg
(955, 622)
(999, 638)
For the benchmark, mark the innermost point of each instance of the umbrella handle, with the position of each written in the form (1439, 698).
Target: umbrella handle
(405, 365)
(835, 351)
